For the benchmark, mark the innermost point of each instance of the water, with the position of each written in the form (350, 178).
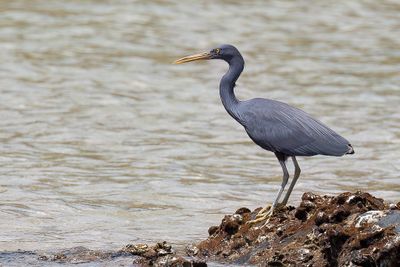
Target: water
(104, 142)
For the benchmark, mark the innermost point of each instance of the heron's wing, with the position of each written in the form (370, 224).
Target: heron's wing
(279, 127)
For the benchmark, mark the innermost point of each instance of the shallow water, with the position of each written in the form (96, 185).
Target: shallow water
(104, 142)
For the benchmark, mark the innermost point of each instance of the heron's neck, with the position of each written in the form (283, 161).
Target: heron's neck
(227, 85)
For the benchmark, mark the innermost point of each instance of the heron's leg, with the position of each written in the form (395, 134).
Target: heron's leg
(285, 179)
(297, 172)
(266, 212)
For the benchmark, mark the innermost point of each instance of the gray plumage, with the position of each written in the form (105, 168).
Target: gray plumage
(278, 127)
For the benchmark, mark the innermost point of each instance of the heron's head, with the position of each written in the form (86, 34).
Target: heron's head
(224, 52)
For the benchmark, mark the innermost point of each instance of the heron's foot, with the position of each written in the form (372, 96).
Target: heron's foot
(265, 214)
(264, 210)
(262, 216)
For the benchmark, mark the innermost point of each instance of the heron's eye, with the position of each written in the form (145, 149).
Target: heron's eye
(217, 50)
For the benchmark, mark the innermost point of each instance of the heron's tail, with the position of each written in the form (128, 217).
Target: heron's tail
(351, 150)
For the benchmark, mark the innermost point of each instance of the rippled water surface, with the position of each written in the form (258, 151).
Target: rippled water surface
(104, 142)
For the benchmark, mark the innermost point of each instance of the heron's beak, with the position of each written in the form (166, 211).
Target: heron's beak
(200, 56)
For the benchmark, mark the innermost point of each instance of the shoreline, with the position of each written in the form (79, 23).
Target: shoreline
(355, 229)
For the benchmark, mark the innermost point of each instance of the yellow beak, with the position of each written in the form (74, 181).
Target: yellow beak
(200, 56)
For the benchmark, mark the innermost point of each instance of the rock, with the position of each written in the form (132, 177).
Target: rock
(77, 255)
(321, 218)
(138, 249)
(301, 213)
(391, 218)
(212, 230)
(161, 254)
(369, 217)
(351, 229)
(192, 250)
(231, 227)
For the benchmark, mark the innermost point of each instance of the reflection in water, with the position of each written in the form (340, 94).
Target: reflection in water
(104, 142)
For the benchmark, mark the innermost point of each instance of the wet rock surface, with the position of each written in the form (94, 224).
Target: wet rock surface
(160, 254)
(351, 229)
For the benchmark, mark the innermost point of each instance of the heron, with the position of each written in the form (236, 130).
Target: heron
(275, 126)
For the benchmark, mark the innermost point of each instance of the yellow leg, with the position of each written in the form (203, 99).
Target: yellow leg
(265, 214)
(262, 215)
(262, 212)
